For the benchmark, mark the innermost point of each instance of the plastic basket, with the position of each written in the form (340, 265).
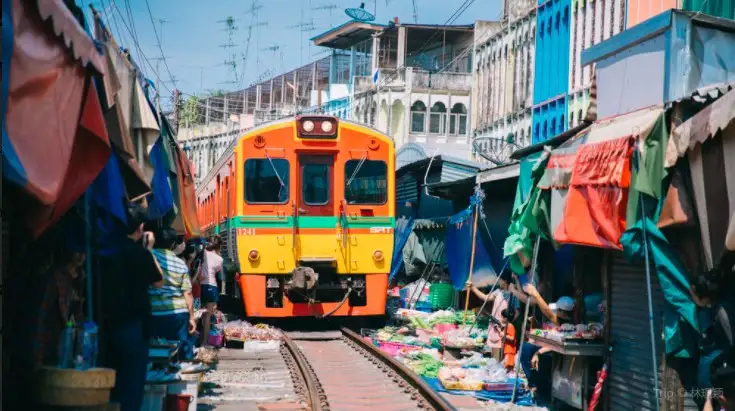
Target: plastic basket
(424, 306)
(441, 296)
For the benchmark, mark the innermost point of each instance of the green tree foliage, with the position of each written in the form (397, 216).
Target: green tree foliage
(190, 113)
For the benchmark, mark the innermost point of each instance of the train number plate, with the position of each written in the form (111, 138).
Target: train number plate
(381, 230)
(245, 231)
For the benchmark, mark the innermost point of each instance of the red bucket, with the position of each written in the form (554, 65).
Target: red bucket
(178, 402)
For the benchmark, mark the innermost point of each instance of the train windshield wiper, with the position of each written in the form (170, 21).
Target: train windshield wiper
(354, 173)
(278, 176)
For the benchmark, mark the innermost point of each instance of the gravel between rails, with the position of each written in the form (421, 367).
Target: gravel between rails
(245, 381)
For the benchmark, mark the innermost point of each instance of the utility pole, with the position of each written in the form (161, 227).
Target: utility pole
(230, 28)
(177, 110)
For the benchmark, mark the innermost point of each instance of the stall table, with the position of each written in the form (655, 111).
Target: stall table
(565, 363)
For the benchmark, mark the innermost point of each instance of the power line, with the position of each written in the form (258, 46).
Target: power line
(159, 40)
(383, 81)
(143, 57)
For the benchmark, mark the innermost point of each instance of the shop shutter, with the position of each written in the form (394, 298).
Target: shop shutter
(631, 377)
(406, 189)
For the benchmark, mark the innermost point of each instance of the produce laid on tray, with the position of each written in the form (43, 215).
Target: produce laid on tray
(461, 338)
(420, 343)
(592, 331)
(244, 331)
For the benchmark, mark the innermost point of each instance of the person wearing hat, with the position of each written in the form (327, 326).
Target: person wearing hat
(561, 312)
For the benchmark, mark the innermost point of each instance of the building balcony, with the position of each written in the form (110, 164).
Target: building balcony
(415, 79)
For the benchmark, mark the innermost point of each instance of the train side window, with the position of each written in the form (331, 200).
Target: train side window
(315, 187)
(366, 182)
(266, 181)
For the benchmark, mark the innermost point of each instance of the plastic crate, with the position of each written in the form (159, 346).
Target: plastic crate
(441, 296)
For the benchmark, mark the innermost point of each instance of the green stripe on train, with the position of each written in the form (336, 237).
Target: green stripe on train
(309, 222)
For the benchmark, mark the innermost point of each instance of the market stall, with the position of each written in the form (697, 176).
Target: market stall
(572, 347)
(446, 348)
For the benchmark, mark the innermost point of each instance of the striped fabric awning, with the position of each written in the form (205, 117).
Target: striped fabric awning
(594, 208)
(709, 139)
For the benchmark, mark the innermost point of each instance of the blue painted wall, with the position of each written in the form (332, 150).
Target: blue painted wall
(552, 69)
(549, 119)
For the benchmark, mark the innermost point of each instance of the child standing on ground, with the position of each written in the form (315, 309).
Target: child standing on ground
(509, 342)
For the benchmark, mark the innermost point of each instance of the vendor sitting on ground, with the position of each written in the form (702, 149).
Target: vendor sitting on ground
(559, 313)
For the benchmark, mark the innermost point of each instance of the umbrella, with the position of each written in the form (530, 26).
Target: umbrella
(601, 377)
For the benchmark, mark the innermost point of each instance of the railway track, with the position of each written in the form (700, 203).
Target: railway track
(321, 371)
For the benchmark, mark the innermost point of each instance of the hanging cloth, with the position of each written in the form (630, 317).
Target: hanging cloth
(136, 185)
(91, 151)
(459, 248)
(187, 195)
(131, 122)
(404, 227)
(161, 201)
(681, 321)
(595, 212)
(43, 96)
(519, 241)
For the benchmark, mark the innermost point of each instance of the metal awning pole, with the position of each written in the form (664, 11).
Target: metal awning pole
(88, 252)
(525, 317)
(650, 306)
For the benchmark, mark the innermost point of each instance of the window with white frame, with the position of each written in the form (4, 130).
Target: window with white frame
(458, 120)
(418, 117)
(437, 118)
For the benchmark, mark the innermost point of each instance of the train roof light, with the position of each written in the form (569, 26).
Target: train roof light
(306, 127)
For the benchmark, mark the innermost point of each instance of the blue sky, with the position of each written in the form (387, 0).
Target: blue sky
(193, 32)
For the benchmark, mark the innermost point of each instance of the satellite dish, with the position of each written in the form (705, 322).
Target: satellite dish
(360, 14)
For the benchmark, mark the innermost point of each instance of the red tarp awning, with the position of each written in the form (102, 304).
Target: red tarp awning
(595, 211)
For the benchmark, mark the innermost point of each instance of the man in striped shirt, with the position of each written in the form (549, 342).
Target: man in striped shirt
(172, 306)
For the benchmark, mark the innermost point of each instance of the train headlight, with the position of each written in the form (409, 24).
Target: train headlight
(316, 127)
(378, 255)
(327, 126)
(253, 255)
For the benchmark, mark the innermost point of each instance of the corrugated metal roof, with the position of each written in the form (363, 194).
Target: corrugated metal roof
(408, 154)
(406, 189)
(452, 171)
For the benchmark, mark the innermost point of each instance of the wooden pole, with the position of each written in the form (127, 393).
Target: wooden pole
(531, 274)
(472, 260)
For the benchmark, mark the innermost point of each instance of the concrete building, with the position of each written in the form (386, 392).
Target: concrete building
(593, 21)
(503, 83)
(351, 47)
(551, 83)
(413, 82)
(642, 10)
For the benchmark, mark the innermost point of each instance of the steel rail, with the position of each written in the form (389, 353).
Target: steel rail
(316, 399)
(433, 399)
